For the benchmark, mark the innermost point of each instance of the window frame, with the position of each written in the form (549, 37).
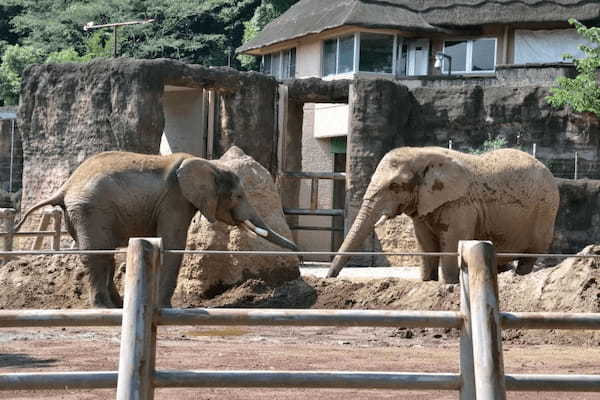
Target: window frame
(282, 57)
(394, 54)
(469, 56)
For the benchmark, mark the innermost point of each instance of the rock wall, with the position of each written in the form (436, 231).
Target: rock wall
(71, 111)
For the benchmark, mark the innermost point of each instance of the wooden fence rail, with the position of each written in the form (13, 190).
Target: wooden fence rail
(481, 363)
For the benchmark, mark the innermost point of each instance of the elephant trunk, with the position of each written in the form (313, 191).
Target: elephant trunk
(362, 226)
(260, 228)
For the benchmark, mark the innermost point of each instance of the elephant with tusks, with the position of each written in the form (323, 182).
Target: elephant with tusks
(113, 196)
(505, 196)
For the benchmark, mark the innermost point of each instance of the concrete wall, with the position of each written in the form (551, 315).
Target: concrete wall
(10, 140)
(184, 121)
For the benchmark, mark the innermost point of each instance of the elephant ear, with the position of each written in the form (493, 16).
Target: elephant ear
(197, 180)
(445, 179)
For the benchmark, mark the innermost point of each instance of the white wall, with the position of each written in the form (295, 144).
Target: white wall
(183, 122)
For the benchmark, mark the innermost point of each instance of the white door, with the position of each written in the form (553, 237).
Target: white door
(418, 57)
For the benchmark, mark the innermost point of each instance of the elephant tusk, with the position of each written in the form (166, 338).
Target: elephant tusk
(381, 220)
(259, 231)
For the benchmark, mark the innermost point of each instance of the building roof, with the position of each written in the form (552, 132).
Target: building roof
(314, 16)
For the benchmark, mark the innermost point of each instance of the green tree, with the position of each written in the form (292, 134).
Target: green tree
(265, 13)
(14, 61)
(582, 92)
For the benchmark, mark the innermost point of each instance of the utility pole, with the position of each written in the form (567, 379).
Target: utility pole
(90, 25)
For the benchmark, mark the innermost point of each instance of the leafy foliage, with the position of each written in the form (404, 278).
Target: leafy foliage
(582, 92)
(195, 31)
(490, 145)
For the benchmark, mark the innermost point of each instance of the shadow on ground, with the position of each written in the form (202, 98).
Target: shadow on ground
(24, 361)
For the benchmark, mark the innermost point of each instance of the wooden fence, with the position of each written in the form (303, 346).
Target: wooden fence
(479, 319)
(54, 216)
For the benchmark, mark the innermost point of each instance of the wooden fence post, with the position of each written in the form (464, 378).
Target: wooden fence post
(44, 224)
(138, 335)
(8, 215)
(467, 372)
(479, 259)
(57, 217)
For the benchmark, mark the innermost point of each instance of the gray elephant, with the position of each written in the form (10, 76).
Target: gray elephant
(505, 196)
(114, 196)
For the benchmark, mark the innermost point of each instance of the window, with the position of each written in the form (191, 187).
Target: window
(470, 56)
(338, 55)
(281, 65)
(376, 53)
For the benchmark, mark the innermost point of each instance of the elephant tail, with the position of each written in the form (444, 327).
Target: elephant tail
(56, 200)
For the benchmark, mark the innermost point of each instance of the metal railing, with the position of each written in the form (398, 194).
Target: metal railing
(314, 209)
(479, 319)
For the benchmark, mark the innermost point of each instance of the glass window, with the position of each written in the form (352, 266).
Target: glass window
(276, 65)
(458, 51)
(346, 55)
(266, 64)
(329, 57)
(484, 55)
(376, 52)
(338, 55)
(292, 63)
(471, 55)
(286, 64)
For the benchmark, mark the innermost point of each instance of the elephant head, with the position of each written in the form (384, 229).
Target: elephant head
(407, 181)
(218, 194)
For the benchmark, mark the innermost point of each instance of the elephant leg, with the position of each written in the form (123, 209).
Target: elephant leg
(173, 231)
(524, 266)
(97, 234)
(429, 243)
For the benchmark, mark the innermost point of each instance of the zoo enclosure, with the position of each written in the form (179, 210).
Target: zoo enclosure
(481, 363)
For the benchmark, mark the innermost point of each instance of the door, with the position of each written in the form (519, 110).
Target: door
(418, 57)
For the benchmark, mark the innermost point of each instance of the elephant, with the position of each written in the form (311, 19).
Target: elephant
(113, 196)
(505, 196)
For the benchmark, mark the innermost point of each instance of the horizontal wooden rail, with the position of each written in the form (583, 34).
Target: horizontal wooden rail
(550, 320)
(58, 380)
(337, 212)
(552, 383)
(294, 317)
(315, 228)
(33, 233)
(318, 175)
(295, 379)
(59, 318)
(309, 379)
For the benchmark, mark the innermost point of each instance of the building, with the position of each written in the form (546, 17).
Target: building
(415, 41)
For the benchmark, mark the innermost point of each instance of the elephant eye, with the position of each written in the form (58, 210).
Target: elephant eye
(394, 187)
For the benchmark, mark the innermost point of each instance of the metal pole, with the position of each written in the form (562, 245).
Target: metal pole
(576, 165)
(12, 155)
(138, 337)
(479, 259)
(115, 41)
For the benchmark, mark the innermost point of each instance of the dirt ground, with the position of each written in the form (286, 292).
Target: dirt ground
(59, 282)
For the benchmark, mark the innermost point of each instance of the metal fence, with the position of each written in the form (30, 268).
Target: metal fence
(479, 319)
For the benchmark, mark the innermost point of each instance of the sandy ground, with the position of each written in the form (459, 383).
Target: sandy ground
(276, 348)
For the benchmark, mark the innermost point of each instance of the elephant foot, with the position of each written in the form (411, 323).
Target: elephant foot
(524, 267)
(505, 267)
(429, 274)
(99, 301)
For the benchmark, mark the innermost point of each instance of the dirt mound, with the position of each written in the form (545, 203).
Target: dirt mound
(571, 286)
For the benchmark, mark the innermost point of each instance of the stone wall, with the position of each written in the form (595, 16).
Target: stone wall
(71, 111)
